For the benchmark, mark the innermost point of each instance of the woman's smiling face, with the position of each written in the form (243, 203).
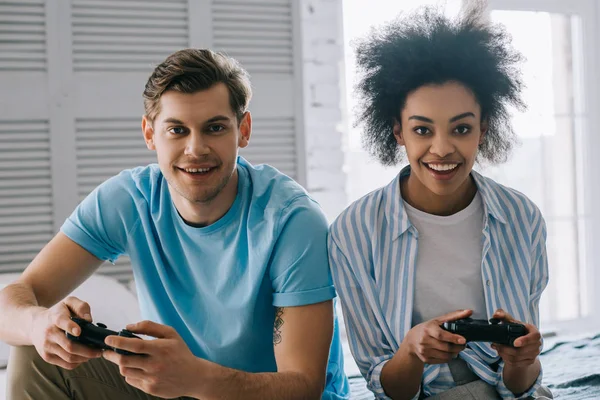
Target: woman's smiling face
(441, 129)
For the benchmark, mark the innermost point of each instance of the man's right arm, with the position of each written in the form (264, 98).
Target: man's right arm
(58, 269)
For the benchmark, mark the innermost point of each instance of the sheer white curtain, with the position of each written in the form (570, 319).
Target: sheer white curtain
(550, 165)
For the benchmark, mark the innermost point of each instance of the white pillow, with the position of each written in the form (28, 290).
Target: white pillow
(111, 304)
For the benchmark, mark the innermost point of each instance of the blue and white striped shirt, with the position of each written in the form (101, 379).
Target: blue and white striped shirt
(373, 256)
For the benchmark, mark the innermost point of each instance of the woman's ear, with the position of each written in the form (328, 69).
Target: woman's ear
(398, 132)
(484, 129)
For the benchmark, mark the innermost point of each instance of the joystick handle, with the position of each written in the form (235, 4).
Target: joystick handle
(481, 330)
(126, 333)
(93, 335)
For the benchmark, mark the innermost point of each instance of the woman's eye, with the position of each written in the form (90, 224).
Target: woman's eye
(177, 130)
(463, 129)
(421, 130)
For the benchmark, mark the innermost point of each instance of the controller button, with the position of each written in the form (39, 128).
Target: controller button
(101, 325)
(494, 321)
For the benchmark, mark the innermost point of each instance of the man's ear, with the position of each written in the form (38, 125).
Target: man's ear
(398, 132)
(245, 130)
(148, 132)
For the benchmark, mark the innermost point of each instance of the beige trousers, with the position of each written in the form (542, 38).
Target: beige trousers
(31, 378)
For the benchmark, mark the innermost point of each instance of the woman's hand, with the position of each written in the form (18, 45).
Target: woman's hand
(434, 345)
(526, 348)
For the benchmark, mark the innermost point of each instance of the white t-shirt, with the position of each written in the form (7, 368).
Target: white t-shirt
(448, 275)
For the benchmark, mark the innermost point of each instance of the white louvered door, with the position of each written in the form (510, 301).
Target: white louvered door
(72, 73)
(26, 212)
(25, 191)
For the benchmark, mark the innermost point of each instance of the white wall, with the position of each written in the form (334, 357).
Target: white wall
(325, 123)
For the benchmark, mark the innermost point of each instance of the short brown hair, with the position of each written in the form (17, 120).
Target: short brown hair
(191, 70)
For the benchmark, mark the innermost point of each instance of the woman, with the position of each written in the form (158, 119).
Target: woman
(440, 242)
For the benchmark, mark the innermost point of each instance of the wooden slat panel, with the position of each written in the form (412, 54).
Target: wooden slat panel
(273, 142)
(256, 3)
(131, 32)
(103, 14)
(115, 54)
(89, 39)
(101, 154)
(113, 36)
(22, 36)
(258, 34)
(25, 192)
(131, 5)
(21, 209)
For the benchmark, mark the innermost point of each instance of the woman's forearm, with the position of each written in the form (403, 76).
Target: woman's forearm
(519, 379)
(401, 376)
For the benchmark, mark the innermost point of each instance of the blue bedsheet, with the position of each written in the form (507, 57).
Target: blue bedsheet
(572, 368)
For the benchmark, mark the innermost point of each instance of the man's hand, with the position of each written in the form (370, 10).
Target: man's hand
(165, 367)
(433, 345)
(526, 348)
(48, 334)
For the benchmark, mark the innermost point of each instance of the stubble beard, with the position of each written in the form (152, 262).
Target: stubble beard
(205, 197)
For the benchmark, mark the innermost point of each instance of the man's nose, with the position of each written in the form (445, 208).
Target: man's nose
(196, 145)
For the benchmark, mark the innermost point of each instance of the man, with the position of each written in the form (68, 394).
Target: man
(230, 264)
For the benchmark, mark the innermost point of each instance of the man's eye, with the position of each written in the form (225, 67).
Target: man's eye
(216, 128)
(177, 130)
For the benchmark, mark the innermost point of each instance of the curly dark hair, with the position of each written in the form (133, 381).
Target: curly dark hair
(428, 48)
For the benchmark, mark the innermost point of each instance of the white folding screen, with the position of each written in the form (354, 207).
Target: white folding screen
(26, 212)
(72, 74)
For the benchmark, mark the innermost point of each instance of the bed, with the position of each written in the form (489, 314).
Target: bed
(572, 368)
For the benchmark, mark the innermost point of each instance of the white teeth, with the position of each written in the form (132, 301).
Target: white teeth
(196, 170)
(442, 167)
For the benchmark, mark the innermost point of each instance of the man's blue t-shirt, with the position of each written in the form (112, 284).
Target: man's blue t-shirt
(218, 286)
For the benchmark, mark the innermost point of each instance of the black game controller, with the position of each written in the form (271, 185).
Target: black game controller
(480, 330)
(94, 335)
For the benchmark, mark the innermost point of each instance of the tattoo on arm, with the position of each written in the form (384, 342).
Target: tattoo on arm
(277, 325)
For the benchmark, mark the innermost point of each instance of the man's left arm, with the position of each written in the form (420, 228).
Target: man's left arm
(301, 339)
(167, 368)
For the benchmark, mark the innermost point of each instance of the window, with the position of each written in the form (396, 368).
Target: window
(551, 165)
